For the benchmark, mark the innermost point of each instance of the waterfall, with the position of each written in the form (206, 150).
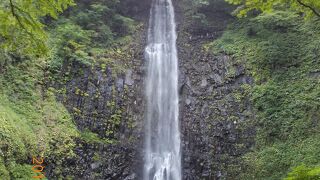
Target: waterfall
(162, 136)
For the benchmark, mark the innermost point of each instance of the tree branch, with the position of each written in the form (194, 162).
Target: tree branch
(14, 14)
(310, 7)
(12, 6)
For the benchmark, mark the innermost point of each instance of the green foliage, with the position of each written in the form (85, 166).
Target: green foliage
(309, 7)
(281, 51)
(89, 31)
(304, 173)
(4, 173)
(32, 122)
(21, 27)
(206, 15)
(91, 137)
(70, 41)
(21, 172)
(102, 18)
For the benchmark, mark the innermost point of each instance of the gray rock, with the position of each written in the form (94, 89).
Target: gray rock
(217, 78)
(128, 80)
(204, 83)
(95, 165)
(188, 101)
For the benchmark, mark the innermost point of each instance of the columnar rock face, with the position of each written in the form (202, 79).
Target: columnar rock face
(214, 122)
(108, 100)
(215, 113)
(107, 107)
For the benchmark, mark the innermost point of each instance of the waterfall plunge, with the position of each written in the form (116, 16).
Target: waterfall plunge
(162, 144)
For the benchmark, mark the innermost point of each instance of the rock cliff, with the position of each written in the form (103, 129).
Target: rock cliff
(107, 103)
(215, 112)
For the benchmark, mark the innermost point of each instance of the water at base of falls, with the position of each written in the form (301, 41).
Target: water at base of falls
(162, 159)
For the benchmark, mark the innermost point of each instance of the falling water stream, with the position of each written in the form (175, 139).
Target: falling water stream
(162, 144)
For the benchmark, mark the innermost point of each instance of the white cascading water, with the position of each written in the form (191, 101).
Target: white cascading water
(162, 141)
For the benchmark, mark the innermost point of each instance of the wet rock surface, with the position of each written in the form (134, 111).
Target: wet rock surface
(215, 112)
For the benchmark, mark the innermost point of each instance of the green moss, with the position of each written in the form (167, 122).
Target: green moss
(96, 157)
(76, 111)
(111, 104)
(91, 137)
(302, 173)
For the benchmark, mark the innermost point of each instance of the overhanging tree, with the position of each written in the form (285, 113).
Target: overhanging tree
(21, 26)
(309, 7)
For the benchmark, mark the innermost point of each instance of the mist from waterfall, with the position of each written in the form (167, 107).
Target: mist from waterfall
(162, 137)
